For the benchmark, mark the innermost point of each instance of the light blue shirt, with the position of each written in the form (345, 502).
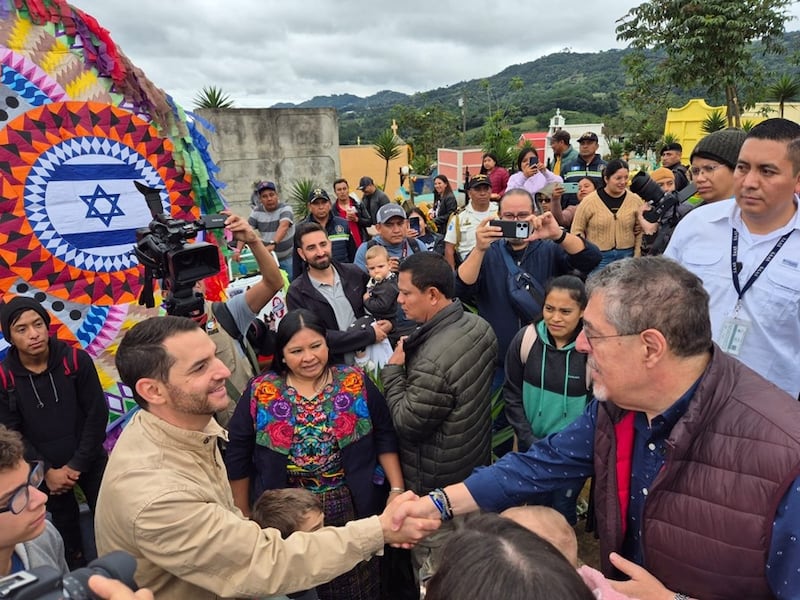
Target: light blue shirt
(702, 244)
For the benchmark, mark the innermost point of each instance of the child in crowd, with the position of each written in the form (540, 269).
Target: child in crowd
(380, 302)
(289, 510)
(552, 526)
(380, 299)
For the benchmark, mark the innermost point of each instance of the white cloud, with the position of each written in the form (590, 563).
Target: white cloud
(263, 51)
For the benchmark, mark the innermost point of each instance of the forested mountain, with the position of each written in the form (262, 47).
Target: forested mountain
(585, 86)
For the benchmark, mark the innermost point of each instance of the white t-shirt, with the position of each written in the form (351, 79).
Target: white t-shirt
(462, 236)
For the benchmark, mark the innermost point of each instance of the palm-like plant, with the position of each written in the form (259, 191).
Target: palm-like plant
(715, 121)
(388, 147)
(669, 138)
(298, 197)
(212, 97)
(747, 125)
(785, 89)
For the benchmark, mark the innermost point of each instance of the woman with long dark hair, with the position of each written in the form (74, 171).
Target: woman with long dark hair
(418, 228)
(498, 174)
(444, 202)
(308, 423)
(531, 174)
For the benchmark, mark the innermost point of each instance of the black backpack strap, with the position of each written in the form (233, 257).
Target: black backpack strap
(225, 320)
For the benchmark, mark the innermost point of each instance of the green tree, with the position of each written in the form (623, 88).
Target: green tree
(787, 88)
(388, 147)
(498, 139)
(497, 135)
(212, 97)
(706, 43)
(426, 130)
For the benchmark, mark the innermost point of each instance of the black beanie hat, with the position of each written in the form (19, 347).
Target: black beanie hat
(9, 311)
(722, 146)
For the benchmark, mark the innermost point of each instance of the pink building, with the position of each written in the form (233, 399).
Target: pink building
(537, 139)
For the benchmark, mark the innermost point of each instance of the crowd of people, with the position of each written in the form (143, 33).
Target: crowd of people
(349, 466)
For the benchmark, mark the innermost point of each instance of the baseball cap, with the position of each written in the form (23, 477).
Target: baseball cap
(364, 182)
(589, 136)
(389, 211)
(265, 185)
(546, 191)
(318, 194)
(479, 179)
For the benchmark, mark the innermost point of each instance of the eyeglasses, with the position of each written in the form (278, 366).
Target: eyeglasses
(590, 338)
(515, 217)
(21, 496)
(705, 169)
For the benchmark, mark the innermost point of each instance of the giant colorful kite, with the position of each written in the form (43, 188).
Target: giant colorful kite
(78, 125)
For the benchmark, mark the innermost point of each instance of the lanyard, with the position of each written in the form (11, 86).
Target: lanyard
(761, 267)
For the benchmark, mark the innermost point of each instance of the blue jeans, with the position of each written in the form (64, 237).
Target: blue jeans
(286, 265)
(610, 256)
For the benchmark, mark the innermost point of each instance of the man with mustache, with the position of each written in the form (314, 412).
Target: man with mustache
(695, 456)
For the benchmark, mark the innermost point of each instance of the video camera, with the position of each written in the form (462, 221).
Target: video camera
(668, 208)
(163, 250)
(46, 583)
(661, 202)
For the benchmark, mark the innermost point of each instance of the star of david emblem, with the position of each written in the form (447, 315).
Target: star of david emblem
(101, 195)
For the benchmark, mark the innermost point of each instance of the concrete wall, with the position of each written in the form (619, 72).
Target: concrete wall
(278, 144)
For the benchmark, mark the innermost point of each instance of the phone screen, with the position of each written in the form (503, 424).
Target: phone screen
(414, 223)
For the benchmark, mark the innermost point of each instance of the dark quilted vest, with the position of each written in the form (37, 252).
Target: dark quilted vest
(709, 512)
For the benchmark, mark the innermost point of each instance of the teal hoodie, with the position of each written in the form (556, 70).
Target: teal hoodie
(549, 392)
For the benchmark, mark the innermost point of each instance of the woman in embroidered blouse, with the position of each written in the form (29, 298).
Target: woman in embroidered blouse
(609, 216)
(307, 423)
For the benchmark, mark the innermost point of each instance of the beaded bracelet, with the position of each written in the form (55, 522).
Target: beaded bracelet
(442, 504)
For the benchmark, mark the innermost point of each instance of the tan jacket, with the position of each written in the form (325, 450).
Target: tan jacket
(597, 224)
(165, 499)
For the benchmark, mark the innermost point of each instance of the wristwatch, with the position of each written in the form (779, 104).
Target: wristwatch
(563, 236)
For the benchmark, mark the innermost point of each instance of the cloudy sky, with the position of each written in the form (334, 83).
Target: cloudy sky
(263, 51)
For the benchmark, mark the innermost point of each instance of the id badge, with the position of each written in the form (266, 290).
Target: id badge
(731, 338)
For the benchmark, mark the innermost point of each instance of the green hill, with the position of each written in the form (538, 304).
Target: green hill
(585, 86)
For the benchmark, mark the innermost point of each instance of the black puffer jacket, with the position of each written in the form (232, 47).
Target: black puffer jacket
(440, 400)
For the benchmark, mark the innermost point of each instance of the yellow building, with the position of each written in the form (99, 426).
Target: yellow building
(357, 161)
(685, 122)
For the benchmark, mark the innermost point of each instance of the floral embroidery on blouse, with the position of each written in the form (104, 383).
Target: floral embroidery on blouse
(280, 414)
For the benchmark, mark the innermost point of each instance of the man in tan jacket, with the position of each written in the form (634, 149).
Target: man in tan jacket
(165, 496)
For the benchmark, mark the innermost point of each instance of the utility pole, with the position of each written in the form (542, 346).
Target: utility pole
(462, 104)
